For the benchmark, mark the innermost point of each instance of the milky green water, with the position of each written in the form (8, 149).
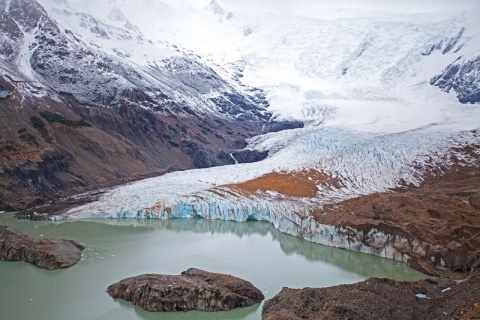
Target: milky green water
(117, 249)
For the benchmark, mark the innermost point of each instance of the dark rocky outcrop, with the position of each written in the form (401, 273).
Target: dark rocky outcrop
(47, 254)
(461, 76)
(379, 299)
(276, 126)
(192, 290)
(249, 156)
(203, 157)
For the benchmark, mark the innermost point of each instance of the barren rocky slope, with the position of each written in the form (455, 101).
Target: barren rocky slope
(379, 299)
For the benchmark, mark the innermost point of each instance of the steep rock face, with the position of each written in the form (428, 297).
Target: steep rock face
(462, 77)
(48, 254)
(378, 299)
(192, 290)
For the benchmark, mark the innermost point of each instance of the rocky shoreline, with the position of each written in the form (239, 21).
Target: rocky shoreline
(380, 299)
(50, 254)
(194, 289)
(434, 227)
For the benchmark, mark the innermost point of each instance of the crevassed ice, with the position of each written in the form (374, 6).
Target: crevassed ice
(363, 163)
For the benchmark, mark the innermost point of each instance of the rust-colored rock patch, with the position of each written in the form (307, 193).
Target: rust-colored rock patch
(294, 184)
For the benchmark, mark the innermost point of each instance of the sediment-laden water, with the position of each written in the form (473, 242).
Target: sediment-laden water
(116, 249)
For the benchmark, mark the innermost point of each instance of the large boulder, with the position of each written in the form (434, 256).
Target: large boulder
(192, 290)
(48, 254)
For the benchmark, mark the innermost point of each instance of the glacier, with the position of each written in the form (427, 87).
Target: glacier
(362, 163)
(372, 88)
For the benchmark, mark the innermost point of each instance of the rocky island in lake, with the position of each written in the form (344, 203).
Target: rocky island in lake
(194, 289)
(50, 254)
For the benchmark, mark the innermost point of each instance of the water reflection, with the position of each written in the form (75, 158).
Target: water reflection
(355, 262)
(243, 313)
(117, 249)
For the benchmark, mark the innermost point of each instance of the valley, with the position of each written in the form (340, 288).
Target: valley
(355, 128)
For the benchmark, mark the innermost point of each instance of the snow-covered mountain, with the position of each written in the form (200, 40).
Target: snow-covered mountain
(209, 53)
(94, 101)
(375, 98)
(385, 98)
(310, 57)
(100, 62)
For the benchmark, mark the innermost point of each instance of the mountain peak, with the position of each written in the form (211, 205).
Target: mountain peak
(218, 10)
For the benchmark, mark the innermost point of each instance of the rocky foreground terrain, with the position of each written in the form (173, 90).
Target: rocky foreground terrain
(379, 299)
(437, 225)
(192, 290)
(48, 254)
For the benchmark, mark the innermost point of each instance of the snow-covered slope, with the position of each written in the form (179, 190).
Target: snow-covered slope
(100, 60)
(304, 59)
(362, 80)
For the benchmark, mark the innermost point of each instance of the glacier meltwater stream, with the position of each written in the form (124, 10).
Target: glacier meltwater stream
(116, 249)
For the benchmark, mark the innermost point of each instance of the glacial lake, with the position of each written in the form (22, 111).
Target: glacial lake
(117, 249)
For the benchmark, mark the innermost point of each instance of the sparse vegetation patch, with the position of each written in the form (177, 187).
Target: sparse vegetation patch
(53, 117)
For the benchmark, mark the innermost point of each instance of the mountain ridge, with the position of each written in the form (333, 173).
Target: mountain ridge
(141, 120)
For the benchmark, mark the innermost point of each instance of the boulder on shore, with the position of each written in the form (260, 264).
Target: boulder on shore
(192, 290)
(50, 254)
